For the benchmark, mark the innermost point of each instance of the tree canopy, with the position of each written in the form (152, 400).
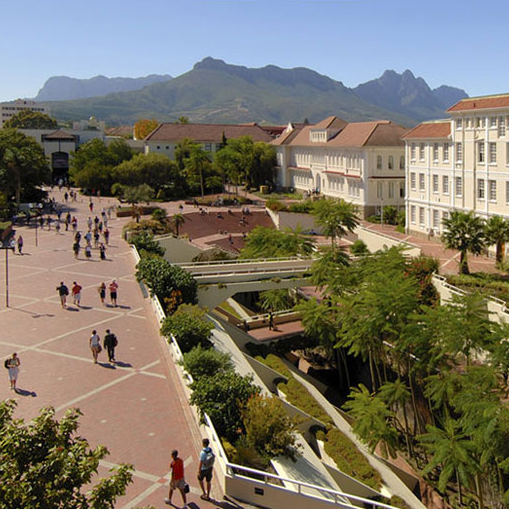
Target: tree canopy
(28, 119)
(23, 165)
(144, 127)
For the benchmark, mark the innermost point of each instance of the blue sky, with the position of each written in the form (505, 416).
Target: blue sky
(462, 43)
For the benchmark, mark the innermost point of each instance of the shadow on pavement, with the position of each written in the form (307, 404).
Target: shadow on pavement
(24, 392)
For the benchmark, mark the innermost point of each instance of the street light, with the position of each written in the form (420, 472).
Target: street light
(6, 249)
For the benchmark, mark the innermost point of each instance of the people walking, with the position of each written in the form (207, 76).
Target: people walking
(95, 345)
(177, 481)
(88, 251)
(89, 223)
(110, 342)
(76, 249)
(63, 292)
(76, 293)
(106, 235)
(20, 245)
(102, 292)
(205, 467)
(12, 364)
(102, 251)
(113, 287)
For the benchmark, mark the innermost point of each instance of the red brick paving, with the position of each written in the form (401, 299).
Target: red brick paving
(283, 330)
(137, 409)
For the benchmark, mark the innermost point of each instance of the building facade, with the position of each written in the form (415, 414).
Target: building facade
(8, 110)
(165, 137)
(459, 163)
(360, 162)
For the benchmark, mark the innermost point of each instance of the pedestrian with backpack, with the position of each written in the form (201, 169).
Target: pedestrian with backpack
(205, 467)
(63, 292)
(110, 342)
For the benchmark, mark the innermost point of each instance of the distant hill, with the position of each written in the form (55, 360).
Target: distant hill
(61, 88)
(408, 95)
(214, 91)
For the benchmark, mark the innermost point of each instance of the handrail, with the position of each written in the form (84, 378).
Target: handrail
(251, 271)
(285, 312)
(243, 261)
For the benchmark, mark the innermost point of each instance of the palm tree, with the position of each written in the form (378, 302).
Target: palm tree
(497, 232)
(465, 232)
(452, 452)
(196, 165)
(336, 217)
(298, 241)
(178, 220)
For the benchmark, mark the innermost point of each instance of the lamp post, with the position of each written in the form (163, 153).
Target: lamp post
(382, 211)
(6, 249)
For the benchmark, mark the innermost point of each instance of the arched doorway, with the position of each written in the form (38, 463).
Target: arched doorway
(60, 165)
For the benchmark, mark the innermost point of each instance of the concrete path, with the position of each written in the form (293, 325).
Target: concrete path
(136, 408)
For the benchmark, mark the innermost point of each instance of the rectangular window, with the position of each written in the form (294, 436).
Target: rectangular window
(412, 213)
(422, 186)
(421, 216)
(493, 121)
(391, 189)
(378, 162)
(501, 127)
(459, 152)
(459, 123)
(436, 219)
(493, 190)
(493, 153)
(421, 151)
(445, 215)
(412, 152)
(412, 181)
(435, 152)
(446, 152)
(507, 191)
(445, 184)
(379, 190)
(459, 187)
(402, 190)
(435, 183)
(480, 189)
(480, 152)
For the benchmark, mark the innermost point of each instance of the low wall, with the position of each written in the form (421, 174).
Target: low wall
(178, 250)
(294, 219)
(375, 241)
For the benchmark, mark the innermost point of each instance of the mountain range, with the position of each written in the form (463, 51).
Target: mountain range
(217, 92)
(61, 88)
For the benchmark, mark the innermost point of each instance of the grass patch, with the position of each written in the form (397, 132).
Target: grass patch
(230, 309)
(281, 196)
(496, 285)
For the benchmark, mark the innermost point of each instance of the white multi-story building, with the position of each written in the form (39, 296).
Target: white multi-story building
(361, 162)
(461, 163)
(8, 110)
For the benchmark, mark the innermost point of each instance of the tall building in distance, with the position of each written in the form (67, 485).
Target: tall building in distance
(461, 163)
(8, 110)
(361, 162)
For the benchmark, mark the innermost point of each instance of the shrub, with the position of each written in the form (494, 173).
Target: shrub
(144, 240)
(302, 207)
(276, 205)
(151, 225)
(221, 397)
(159, 215)
(166, 281)
(213, 255)
(359, 248)
(202, 362)
(189, 326)
(276, 364)
(268, 427)
(245, 454)
(350, 460)
(373, 219)
(390, 215)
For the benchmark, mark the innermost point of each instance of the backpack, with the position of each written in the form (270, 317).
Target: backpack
(208, 462)
(6, 364)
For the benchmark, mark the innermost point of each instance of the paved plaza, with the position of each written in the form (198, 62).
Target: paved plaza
(136, 408)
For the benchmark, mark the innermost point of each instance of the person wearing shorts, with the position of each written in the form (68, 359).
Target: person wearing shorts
(95, 345)
(205, 468)
(113, 287)
(13, 366)
(102, 292)
(76, 293)
(177, 481)
(63, 292)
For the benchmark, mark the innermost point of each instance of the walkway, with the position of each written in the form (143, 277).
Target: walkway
(136, 408)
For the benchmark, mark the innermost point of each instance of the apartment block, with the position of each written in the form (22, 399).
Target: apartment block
(461, 163)
(9, 109)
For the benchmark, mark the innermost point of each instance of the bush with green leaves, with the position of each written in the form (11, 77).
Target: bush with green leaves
(165, 280)
(144, 241)
(45, 464)
(189, 326)
(359, 248)
(202, 362)
(222, 397)
(301, 207)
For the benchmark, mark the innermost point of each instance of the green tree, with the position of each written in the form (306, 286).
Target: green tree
(202, 362)
(44, 464)
(268, 426)
(183, 120)
(197, 165)
(23, 165)
(497, 232)
(27, 119)
(144, 241)
(373, 421)
(177, 220)
(222, 398)
(189, 326)
(336, 217)
(163, 279)
(134, 194)
(275, 300)
(451, 453)
(465, 232)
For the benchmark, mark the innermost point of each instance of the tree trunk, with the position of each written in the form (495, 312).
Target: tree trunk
(459, 487)
(464, 263)
(500, 251)
(371, 371)
(201, 183)
(478, 482)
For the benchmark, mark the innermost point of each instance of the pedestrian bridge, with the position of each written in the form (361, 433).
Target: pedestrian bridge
(219, 280)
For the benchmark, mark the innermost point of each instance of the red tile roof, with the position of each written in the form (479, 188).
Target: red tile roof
(332, 122)
(481, 103)
(430, 130)
(206, 132)
(123, 130)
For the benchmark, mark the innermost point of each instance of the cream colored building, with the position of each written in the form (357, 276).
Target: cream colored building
(461, 163)
(7, 110)
(360, 162)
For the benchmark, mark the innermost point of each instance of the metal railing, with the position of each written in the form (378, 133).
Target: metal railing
(240, 262)
(275, 270)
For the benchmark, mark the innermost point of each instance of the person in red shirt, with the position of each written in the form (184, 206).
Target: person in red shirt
(177, 481)
(113, 287)
(76, 293)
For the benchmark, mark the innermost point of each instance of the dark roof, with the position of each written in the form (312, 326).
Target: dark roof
(59, 135)
(206, 132)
